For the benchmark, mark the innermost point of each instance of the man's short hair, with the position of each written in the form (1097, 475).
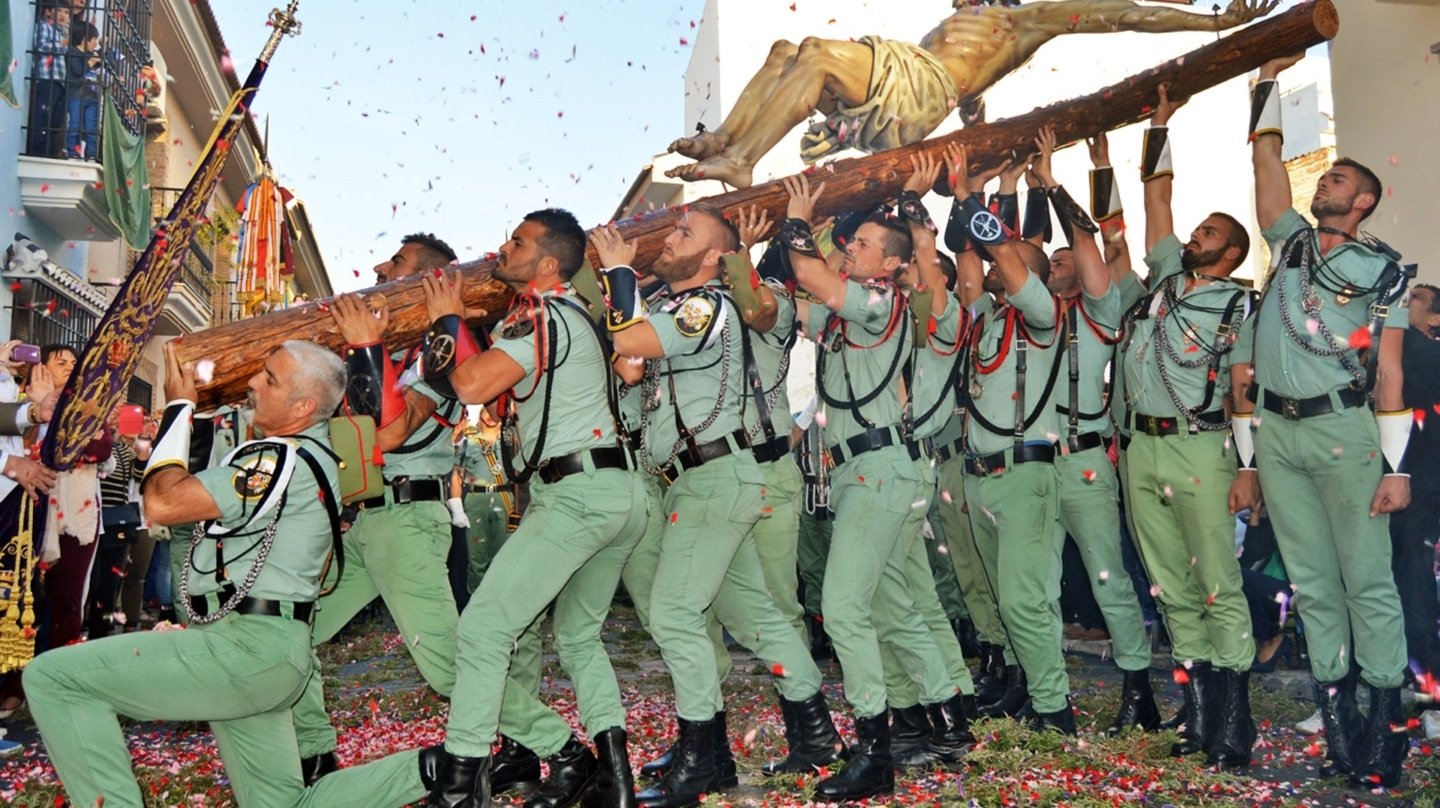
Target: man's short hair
(1434, 296)
(564, 238)
(730, 233)
(434, 253)
(319, 375)
(47, 351)
(1034, 259)
(1369, 182)
(947, 268)
(1238, 238)
(897, 242)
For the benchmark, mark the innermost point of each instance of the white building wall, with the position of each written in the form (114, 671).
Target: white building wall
(1387, 114)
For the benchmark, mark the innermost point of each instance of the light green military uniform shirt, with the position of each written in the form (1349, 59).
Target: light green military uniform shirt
(1281, 365)
(769, 349)
(871, 335)
(302, 537)
(1131, 290)
(428, 452)
(933, 396)
(996, 399)
(580, 417)
(1091, 315)
(470, 456)
(1145, 390)
(699, 331)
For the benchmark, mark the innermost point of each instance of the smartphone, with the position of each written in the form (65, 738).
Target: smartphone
(29, 354)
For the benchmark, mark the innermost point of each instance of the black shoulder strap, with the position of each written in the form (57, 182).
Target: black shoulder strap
(330, 498)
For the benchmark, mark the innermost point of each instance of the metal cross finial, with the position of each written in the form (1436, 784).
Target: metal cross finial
(281, 23)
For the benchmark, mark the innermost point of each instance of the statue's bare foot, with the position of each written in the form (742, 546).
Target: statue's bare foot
(720, 167)
(701, 145)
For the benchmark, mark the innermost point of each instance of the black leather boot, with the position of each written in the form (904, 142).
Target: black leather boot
(454, 781)
(965, 633)
(1343, 725)
(657, 767)
(1017, 692)
(313, 768)
(1137, 705)
(991, 682)
(1235, 729)
(1201, 704)
(952, 738)
(811, 736)
(910, 733)
(693, 772)
(572, 771)
(1177, 720)
(1061, 721)
(726, 775)
(614, 785)
(820, 647)
(1385, 741)
(871, 769)
(514, 767)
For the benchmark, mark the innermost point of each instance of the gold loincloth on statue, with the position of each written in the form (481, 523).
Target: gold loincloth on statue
(910, 93)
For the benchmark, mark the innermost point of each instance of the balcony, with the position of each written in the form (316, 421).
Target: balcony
(66, 195)
(190, 306)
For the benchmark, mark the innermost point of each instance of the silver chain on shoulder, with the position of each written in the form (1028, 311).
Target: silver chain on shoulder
(1310, 304)
(243, 590)
(1165, 349)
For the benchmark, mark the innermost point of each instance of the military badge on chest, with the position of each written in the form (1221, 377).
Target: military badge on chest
(519, 323)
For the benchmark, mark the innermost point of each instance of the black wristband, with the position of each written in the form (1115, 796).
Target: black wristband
(913, 210)
(795, 235)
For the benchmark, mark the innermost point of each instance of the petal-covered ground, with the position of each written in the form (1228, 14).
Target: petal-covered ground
(380, 705)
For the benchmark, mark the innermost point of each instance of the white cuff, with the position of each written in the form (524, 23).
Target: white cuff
(1244, 439)
(172, 439)
(1394, 437)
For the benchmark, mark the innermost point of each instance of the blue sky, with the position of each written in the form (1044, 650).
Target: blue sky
(388, 118)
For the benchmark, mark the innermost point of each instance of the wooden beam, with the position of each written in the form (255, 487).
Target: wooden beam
(240, 348)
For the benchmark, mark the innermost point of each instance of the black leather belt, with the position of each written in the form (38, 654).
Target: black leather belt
(405, 491)
(771, 450)
(949, 450)
(1124, 442)
(984, 466)
(1293, 409)
(480, 488)
(869, 441)
(703, 453)
(1085, 441)
(254, 607)
(558, 468)
(1160, 425)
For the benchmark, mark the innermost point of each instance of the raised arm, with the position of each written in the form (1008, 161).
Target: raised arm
(1106, 207)
(479, 376)
(811, 272)
(1157, 173)
(924, 170)
(404, 410)
(1272, 182)
(630, 332)
(970, 272)
(1105, 16)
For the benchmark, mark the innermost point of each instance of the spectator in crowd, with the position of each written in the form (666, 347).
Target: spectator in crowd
(47, 110)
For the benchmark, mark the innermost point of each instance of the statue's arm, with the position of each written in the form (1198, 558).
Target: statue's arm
(1104, 16)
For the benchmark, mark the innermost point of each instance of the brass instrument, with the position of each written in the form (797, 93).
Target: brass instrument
(17, 575)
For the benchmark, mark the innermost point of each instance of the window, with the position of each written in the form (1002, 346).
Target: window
(85, 54)
(40, 315)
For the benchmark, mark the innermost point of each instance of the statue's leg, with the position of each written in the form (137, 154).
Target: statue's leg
(760, 87)
(821, 68)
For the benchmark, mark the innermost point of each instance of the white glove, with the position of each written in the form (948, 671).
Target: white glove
(457, 512)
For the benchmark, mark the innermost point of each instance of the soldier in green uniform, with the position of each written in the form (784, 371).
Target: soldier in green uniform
(863, 332)
(1088, 487)
(1188, 347)
(1331, 468)
(398, 545)
(491, 506)
(692, 433)
(586, 513)
(1010, 485)
(246, 656)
